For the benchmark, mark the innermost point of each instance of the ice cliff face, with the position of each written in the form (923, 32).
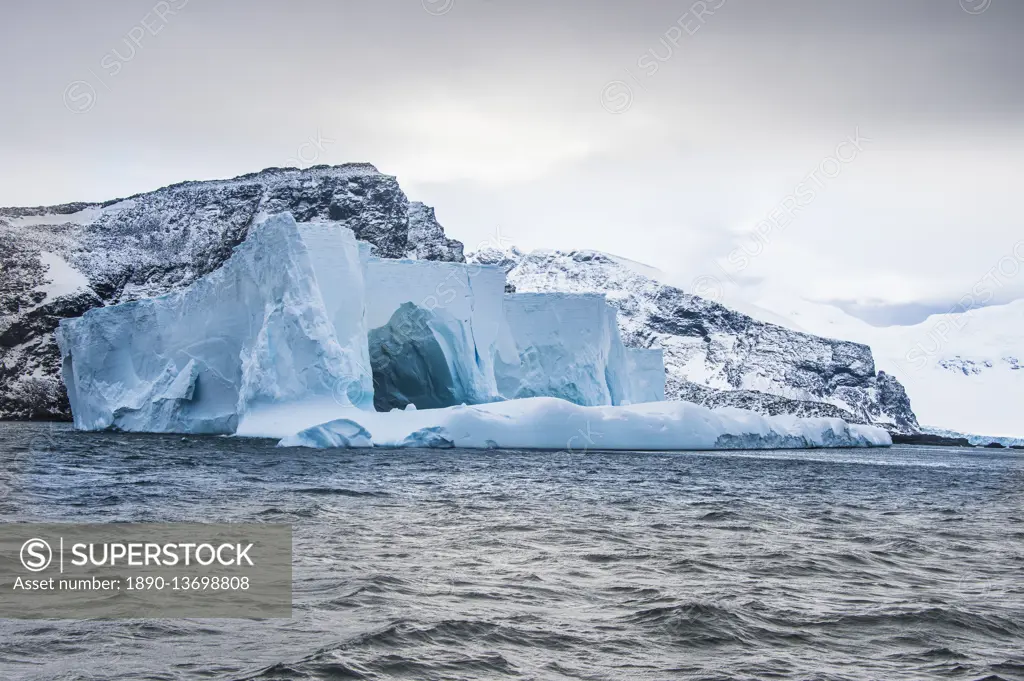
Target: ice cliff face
(60, 261)
(568, 346)
(302, 317)
(715, 356)
(255, 332)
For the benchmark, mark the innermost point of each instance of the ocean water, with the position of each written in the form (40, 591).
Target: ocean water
(905, 563)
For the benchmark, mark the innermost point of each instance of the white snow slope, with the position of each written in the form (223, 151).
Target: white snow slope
(963, 371)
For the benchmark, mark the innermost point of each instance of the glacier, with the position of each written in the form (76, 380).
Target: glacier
(961, 368)
(302, 335)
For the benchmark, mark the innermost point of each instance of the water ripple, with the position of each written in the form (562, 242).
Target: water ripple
(899, 564)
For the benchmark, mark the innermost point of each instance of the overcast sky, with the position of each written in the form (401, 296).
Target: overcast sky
(667, 132)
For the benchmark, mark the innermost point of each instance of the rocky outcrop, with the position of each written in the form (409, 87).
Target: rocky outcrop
(763, 403)
(893, 399)
(427, 240)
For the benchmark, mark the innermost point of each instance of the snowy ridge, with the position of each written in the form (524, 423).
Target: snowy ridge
(716, 356)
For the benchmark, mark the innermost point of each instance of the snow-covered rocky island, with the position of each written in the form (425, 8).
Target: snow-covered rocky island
(303, 335)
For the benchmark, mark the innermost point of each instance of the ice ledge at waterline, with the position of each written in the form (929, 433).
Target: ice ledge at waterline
(554, 424)
(277, 343)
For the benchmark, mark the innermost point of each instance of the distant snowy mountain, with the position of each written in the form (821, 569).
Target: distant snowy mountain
(60, 261)
(713, 355)
(963, 372)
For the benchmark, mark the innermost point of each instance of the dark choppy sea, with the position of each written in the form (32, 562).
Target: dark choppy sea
(906, 563)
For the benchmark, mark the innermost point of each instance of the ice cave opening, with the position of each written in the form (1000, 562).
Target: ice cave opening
(409, 357)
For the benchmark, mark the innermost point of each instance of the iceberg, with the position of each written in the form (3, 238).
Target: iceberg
(337, 434)
(254, 333)
(304, 337)
(338, 260)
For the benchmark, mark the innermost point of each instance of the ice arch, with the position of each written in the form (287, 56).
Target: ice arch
(460, 304)
(412, 361)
